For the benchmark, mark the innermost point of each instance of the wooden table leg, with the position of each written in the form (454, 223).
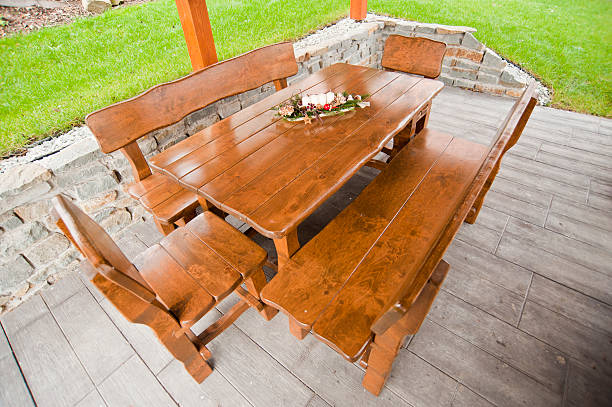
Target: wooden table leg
(254, 285)
(297, 330)
(286, 246)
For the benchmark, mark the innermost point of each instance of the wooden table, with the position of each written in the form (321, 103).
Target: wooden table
(272, 174)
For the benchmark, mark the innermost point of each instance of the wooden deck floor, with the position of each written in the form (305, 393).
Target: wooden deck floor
(524, 317)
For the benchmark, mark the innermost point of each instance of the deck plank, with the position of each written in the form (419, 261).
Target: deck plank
(97, 342)
(13, 391)
(504, 385)
(93, 399)
(52, 370)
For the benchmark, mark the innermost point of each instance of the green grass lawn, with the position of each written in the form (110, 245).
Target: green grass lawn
(50, 79)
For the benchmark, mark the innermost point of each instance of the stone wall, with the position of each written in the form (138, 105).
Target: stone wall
(33, 252)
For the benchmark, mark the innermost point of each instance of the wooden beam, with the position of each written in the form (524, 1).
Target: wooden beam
(198, 33)
(359, 9)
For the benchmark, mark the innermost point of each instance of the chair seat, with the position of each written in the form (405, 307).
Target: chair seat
(163, 197)
(196, 266)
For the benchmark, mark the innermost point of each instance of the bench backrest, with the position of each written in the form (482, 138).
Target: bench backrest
(507, 135)
(118, 126)
(98, 248)
(415, 55)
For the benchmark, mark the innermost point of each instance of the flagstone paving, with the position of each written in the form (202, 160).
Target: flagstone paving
(524, 317)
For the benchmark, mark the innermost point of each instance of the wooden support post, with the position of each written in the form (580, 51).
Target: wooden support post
(359, 9)
(198, 33)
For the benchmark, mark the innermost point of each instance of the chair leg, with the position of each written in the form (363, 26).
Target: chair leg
(254, 284)
(164, 227)
(475, 210)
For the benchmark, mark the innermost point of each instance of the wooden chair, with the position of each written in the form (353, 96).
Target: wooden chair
(120, 125)
(174, 283)
(369, 278)
(415, 55)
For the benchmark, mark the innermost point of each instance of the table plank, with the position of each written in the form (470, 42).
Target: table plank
(280, 129)
(224, 126)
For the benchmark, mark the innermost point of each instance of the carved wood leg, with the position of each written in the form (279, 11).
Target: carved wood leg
(297, 330)
(475, 210)
(254, 285)
(164, 227)
(286, 246)
(380, 358)
(421, 124)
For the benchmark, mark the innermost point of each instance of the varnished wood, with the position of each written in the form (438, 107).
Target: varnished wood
(415, 55)
(267, 172)
(198, 32)
(359, 9)
(296, 330)
(140, 168)
(174, 283)
(286, 246)
(255, 283)
(370, 276)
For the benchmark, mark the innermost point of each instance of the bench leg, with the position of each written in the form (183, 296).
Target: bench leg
(297, 330)
(380, 359)
(164, 227)
(254, 285)
(475, 210)
(286, 246)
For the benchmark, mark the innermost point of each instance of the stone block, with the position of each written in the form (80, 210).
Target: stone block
(464, 83)
(486, 78)
(466, 64)
(96, 186)
(463, 73)
(469, 41)
(21, 177)
(492, 60)
(75, 155)
(202, 118)
(116, 220)
(491, 71)
(34, 210)
(454, 29)
(511, 81)
(170, 135)
(67, 178)
(19, 239)
(99, 201)
(9, 221)
(459, 52)
(492, 89)
(514, 92)
(405, 30)
(47, 250)
(13, 274)
(147, 144)
(448, 81)
(425, 28)
(228, 106)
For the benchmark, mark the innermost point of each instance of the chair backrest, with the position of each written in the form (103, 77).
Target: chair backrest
(99, 248)
(415, 55)
(507, 136)
(118, 126)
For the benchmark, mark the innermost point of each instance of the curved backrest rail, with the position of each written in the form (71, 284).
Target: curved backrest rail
(507, 135)
(119, 124)
(99, 248)
(415, 55)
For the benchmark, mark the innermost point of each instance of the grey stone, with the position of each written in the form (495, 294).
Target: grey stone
(462, 63)
(464, 83)
(509, 80)
(469, 41)
(96, 6)
(21, 238)
(47, 250)
(491, 71)
(425, 28)
(9, 221)
(450, 39)
(463, 73)
(406, 30)
(116, 220)
(68, 177)
(13, 273)
(34, 210)
(199, 117)
(486, 78)
(446, 80)
(74, 156)
(228, 106)
(31, 193)
(491, 59)
(147, 144)
(21, 177)
(96, 186)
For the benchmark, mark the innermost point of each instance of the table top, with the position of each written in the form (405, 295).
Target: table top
(271, 173)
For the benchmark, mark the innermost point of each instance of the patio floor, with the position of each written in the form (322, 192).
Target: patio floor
(524, 317)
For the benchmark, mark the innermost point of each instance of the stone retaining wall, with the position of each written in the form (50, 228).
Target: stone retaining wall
(33, 253)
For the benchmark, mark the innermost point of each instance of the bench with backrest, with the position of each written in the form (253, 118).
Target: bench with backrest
(370, 276)
(174, 283)
(120, 125)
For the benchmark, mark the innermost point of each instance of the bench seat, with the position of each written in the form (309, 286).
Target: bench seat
(342, 281)
(163, 197)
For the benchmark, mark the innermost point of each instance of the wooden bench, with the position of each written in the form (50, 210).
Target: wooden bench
(370, 276)
(120, 125)
(174, 283)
